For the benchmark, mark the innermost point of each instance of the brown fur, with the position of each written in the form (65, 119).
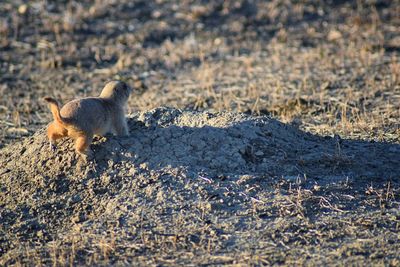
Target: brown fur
(83, 118)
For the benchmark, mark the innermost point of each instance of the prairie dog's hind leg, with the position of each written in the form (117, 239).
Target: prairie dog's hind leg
(55, 131)
(82, 146)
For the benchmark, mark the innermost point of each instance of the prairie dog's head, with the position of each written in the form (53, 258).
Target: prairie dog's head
(118, 91)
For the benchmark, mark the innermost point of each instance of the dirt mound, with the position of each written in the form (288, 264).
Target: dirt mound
(174, 168)
(225, 143)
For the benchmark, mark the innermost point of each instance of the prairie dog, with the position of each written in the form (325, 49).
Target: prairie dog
(83, 118)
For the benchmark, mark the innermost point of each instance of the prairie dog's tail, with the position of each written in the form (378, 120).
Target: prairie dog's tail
(55, 110)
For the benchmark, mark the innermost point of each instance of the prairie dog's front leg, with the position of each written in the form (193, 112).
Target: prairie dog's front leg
(121, 126)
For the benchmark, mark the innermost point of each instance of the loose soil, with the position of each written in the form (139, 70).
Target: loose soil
(261, 133)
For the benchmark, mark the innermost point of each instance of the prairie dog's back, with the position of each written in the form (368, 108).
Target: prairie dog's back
(90, 114)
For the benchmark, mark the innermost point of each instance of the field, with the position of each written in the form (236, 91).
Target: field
(261, 133)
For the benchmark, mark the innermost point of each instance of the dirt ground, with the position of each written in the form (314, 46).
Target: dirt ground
(261, 133)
